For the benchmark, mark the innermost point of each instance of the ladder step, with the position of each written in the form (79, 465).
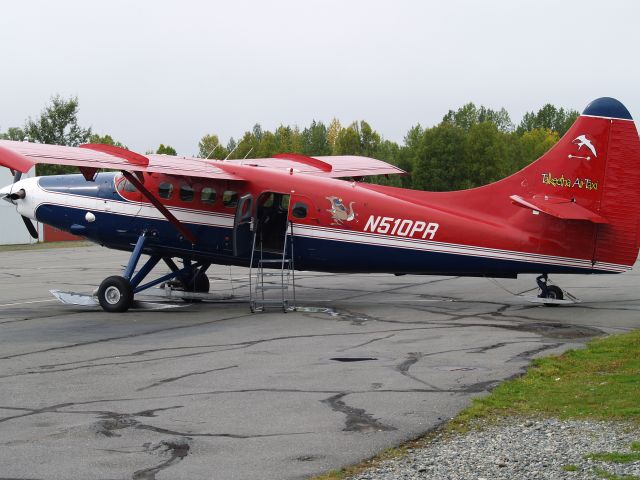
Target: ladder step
(269, 302)
(271, 287)
(279, 260)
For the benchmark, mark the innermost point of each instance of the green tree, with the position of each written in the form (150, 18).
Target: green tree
(13, 133)
(533, 144)
(166, 150)
(247, 146)
(332, 133)
(210, 147)
(57, 125)
(267, 146)
(468, 115)
(438, 158)
(486, 156)
(548, 117)
(314, 140)
(369, 139)
(348, 141)
(105, 140)
(288, 140)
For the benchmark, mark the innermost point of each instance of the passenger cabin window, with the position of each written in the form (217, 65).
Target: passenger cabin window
(230, 198)
(299, 210)
(126, 186)
(165, 189)
(208, 195)
(186, 193)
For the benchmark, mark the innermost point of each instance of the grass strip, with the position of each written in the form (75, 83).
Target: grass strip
(601, 381)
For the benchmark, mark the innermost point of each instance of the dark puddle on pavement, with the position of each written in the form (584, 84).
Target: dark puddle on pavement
(353, 359)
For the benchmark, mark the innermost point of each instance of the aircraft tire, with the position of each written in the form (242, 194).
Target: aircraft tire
(115, 294)
(198, 284)
(554, 293)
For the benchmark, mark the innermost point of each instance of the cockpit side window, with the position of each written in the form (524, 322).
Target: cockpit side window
(126, 186)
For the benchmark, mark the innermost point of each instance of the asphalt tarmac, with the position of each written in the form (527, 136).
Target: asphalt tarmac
(211, 391)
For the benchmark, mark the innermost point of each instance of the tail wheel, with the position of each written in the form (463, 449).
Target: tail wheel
(552, 293)
(115, 294)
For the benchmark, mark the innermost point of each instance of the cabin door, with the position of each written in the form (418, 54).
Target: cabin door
(243, 227)
(271, 215)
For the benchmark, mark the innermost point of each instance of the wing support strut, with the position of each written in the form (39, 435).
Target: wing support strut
(161, 208)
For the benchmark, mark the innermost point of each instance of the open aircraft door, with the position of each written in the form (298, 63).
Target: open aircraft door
(243, 226)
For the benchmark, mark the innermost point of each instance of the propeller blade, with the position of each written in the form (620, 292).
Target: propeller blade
(30, 226)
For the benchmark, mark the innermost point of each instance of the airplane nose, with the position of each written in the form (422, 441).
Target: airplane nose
(24, 195)
(5, 193)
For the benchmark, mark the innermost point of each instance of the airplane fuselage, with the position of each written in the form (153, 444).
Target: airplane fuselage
(340, 226)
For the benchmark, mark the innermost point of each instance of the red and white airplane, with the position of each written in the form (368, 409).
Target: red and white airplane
(574, 210)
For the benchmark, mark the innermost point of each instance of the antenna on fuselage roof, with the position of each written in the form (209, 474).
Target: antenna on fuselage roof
(212, 150)
(250, 150)
(231, 152)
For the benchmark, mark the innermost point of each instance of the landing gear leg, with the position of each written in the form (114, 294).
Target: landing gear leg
(551, 292)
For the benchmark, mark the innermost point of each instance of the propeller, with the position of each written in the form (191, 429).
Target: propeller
(20, 194)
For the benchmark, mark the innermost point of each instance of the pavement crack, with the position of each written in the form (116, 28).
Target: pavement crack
(358, 420)
(180, 377)
(366, 343)
(122, 337)
(412, 359)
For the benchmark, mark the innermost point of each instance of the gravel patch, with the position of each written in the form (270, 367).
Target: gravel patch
(517, 449)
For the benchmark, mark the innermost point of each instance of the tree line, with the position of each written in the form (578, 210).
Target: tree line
(471, 146)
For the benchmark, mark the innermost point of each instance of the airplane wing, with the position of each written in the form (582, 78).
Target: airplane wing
(24, 155)
(339, 166)
(561, 208)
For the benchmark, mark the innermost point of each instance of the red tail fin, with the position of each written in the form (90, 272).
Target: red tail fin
(593, 174)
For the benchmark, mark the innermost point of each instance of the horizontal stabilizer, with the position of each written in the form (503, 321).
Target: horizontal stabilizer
(562, 208)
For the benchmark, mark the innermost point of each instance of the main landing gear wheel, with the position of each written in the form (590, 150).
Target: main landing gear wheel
(199, 283)
(115, 294)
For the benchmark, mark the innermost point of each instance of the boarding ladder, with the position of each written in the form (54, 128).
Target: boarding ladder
(272, 288)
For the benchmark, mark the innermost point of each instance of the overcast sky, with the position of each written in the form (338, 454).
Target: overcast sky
(151, 72)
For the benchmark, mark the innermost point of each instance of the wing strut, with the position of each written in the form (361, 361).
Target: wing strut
(161, 208)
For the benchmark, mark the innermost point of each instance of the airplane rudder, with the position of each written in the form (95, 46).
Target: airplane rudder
(617, 241)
